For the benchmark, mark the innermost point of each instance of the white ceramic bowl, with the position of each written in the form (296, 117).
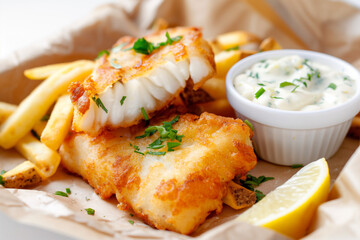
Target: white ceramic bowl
(295, 137)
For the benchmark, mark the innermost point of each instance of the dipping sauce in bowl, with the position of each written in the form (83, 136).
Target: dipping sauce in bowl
(300, 103)
(294, 83)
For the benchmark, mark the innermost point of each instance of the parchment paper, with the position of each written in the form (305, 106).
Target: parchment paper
(331, 29)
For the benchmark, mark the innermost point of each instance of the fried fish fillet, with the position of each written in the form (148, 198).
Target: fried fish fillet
(149, 81)
(176, 191)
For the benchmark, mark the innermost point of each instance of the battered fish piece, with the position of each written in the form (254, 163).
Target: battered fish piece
(150, 81)
(176, 191)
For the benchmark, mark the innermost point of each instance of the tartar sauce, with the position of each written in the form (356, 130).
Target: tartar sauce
(294, 83)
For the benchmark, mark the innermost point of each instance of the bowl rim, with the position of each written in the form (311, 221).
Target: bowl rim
(293, 119)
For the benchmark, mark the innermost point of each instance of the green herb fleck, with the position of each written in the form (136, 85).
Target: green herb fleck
(99, 103)
(136, 149)
(2, 172)
(2, 180)
(122, 100)
(232, 48)
(34, 133)
(251, 182)
(119, 47)
(144, 47)
(131, 215)
(155, 153)
(61, 193)
(101, 53)
(172, 145)
(45, 118)
(274, 97)
(285, 84)
(68, 191)
(247, 122)
(131, 222)
(332, 86)
(297, 165)
(90, 211)
(146, 117)
(261, 84)
(259, 195)
(259, 93)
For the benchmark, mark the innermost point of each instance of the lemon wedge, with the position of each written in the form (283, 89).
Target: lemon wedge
(289, 208)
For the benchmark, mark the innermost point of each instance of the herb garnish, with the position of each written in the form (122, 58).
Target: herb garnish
(34, 133)
(144, 47)
(68, 191)
(251, 182)
(45, 118)
(2, 172)
(259, 93)
(332, 86)
(247, 122)
(146, 117)
(232, 48)
(131, 222)
(90, 211)
(122, 100)
(297, 165)
(261, 84)
(2, 180)
(99, 103)
(274, 97)
(285, 84)
(166, 132)
(101, 53)
(61, 193)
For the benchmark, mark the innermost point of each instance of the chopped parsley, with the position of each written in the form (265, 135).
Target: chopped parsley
(332, 86)
(131, 222)
(99, 103)
(259, 93)
(233, 48)
(247, 122)
(146, 117)
(122, 100)
(45, 118)
(2, 180)
(61, 193)
(144, 47)
(68, 191)
(34, 133)
(90, 211)
(101, 53)
(252, 182)
(297, 165)
(166, 134)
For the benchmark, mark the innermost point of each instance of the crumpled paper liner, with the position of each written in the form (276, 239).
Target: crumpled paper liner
(39, 206)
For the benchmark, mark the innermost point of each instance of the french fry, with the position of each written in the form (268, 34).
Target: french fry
(59, 123)
(215, 47)
(43, 72)
(269, 44)
(24, 175)
(33, 108)
(215, 87)
(239, 197)
(225, 60)
(46, 159)
(219, 107)
(237, 38)
(6, 109)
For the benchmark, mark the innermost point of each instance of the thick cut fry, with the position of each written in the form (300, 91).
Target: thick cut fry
(237, 38)
(215, 87)
(59, 123)
(39, 127)
(219, 107)
(41, 73)
(33, 108)
(46, 159)
(239, 197)
(215, 47)
(6, 109)
(225, 60)
(246, 53)
(269, 44)
(24, 175)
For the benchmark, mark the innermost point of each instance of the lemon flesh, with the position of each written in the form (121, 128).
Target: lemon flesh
(290, 207)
